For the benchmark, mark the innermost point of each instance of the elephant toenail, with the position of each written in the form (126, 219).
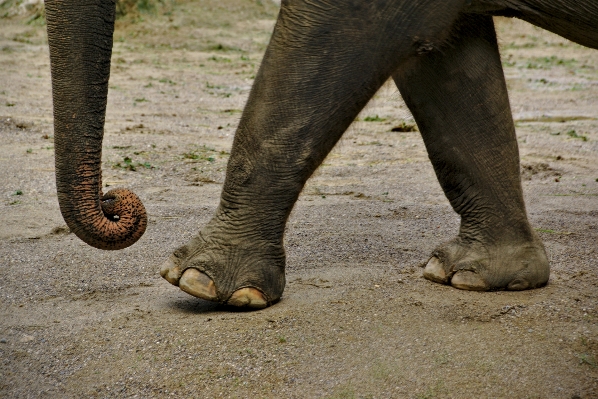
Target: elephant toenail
(434, 271)
(170, 272)
(198, 284)
(468, 280)
(248, 298)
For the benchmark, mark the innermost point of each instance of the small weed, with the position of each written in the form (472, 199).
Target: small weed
(545, 82)
(442, 358)
(29, 151)
(374, 118)
(191, 155)
(14, 203)
(149, 85)
(164, 80)
(282, 340)
(546, 231)
(573, 134)
(222, 47)
(141, 100)
(128, 164)
(211, 86)
(219, 59)
(200, 154)
(584, 358)
(18, 192)
(8, 104)
(549, 62)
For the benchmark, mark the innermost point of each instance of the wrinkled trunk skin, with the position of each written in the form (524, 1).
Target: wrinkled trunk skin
(80, 39)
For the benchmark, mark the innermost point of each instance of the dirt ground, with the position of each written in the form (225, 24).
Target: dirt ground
(357, 320)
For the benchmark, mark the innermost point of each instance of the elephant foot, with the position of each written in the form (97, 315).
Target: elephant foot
(478, 267)
(228, 271)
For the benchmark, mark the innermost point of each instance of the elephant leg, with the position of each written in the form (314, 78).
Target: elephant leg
(324, 62)
(458, 97)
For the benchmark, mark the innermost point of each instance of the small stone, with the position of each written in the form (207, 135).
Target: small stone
(26, 338)
(3, 341)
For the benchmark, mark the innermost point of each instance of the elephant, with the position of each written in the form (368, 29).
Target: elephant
(325, 60)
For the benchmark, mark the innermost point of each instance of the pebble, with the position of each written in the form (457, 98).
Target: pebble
(3, 341)
(27, 338)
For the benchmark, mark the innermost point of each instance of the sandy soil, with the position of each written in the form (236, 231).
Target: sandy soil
(357, 320)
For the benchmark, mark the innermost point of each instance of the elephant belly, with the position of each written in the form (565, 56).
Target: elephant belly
(576, 20)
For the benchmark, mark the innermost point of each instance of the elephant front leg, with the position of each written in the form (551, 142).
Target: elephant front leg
(458, 97)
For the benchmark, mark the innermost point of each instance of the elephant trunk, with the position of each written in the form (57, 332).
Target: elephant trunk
(80, 40)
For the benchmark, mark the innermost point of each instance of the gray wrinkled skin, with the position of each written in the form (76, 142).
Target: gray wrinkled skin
(326, 59)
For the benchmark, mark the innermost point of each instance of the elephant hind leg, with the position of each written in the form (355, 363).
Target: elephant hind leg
(459, 99)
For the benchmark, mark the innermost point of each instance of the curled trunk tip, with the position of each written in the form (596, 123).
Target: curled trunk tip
(121, 222)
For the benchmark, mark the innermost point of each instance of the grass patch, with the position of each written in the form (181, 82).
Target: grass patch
(219, 59)
(204, 153)
(222, 47)
(128, 164)
(549, 62)
(374, 118)
(165, 80)
(590, 360)
(573, 134)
